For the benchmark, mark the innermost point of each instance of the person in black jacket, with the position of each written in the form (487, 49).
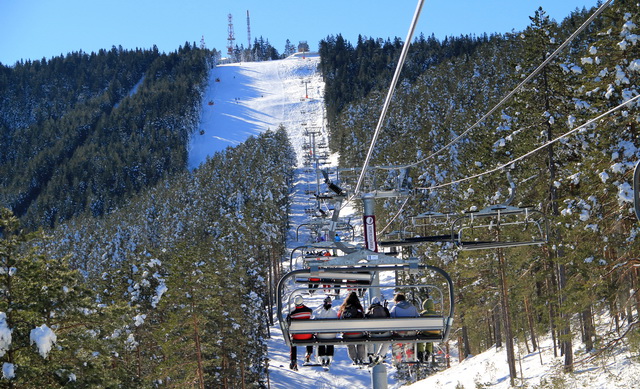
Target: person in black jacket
(352, 309)
(377, 351)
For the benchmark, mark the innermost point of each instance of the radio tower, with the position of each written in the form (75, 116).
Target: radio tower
(231, 37)
(248, 31)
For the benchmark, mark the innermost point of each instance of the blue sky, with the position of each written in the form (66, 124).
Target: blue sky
(33, 29)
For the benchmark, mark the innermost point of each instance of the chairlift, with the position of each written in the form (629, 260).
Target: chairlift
(432, 328)
(428, 227)
(500, 226)
(333, 247)
(324, 225)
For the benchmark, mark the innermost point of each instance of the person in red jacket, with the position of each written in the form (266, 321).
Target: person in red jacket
(302, 312)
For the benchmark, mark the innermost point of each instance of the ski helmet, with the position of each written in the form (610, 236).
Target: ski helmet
(298, 300)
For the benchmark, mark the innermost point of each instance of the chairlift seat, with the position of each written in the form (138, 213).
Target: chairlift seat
(429, 329)
(336, 278)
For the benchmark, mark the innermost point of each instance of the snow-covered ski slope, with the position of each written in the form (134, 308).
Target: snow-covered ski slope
(244, 99)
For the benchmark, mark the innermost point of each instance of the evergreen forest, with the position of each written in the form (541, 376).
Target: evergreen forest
(137, 273)
(579, 175)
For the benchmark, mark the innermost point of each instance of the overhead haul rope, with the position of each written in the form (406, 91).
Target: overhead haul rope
(394, 218)
(534, 150)
(387, 102)
(519, 86)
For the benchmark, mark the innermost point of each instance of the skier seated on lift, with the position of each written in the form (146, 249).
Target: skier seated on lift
(425, 350)
(302, 312)
(377, 351)
(325, 352)
(352, 309)
(403, 352)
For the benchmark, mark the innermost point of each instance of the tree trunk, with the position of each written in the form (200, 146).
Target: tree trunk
(461, 354)
(531, 321)
(587, 325)
(196, 335)
(636, 276)
(506, 314)
(491, 327)
(244, 386)
(465, 337)
(629, 303)
(567, 345)
(551, 303)
(498, 328)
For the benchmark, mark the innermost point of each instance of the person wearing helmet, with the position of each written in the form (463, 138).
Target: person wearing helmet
(325, 352)
(301, 312)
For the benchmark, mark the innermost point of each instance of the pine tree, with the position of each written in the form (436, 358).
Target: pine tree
(53, 321)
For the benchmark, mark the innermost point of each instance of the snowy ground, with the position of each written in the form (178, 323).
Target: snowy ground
(253, 97)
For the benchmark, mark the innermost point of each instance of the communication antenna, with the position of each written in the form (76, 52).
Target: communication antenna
(248, 31)
(231, 37)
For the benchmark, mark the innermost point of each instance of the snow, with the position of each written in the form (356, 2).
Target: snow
(8, 371)
(490, 369)
(44, 339)
(138, 320)
(160, 290)
(625, 193)
(5, 334)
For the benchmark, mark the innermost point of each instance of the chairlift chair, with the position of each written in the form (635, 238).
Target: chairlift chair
(432, 328)
(324, 225)
(500, 226)
(428, 227)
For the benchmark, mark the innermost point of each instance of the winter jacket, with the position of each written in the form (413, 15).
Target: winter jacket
(404, 309)
(351, 312)
(428, 310)
(378, 311)
(302, 312)
(321, 313)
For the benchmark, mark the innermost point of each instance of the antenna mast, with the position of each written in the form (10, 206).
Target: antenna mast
(231, 37)
(248, 31)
